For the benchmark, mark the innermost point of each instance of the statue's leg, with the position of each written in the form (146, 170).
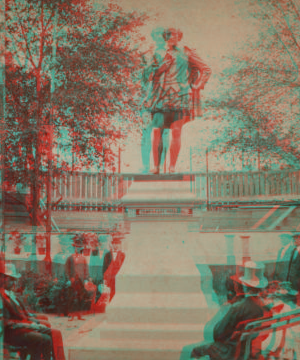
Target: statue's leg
(157, 140)
(160, 148)
(146, 148)
(157, 143)
(175, 146)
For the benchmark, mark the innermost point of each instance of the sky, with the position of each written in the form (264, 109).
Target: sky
(215, 29)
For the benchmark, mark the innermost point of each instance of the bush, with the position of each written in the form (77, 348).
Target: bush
(59, 296)
(34, 289)
(43, 294)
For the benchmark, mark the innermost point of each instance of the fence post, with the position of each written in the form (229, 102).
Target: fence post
(245, 248)
(207, 185)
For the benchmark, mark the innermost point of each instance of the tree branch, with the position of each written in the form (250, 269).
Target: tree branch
(14, 47)
(285, 34)
(25, 38)
(42, 36)
(50, 18)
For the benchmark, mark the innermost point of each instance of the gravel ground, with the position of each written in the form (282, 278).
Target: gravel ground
(73, 330)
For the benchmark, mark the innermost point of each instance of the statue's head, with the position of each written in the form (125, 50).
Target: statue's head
(157, 36)
(172, 36)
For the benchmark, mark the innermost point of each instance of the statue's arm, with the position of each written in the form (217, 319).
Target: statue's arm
(201, 72)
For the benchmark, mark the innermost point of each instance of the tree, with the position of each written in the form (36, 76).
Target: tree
(70, 66)
(101, 65)
(2, 125)
(264, 91)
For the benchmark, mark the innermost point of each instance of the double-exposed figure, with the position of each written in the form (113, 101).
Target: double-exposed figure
(173, 80)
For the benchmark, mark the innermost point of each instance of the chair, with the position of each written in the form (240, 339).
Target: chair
(265, 326)
(19, 351)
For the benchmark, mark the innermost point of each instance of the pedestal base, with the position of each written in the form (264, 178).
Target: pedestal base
(159, 306)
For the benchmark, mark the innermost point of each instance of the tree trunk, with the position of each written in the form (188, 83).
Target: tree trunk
(36, 170)
(48, 263)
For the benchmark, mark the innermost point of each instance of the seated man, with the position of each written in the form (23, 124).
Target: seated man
(24, 329)
(250, 307)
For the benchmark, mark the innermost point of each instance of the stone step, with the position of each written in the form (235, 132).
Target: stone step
(193, 308)
(116, 349)
(159, 283)
(191, 332)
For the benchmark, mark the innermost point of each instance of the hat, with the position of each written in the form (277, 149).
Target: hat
(168, 33)
(88, 237)
(254, 275)
(116, 241)
(78, 240)
(117, 238)
(10, 270)
(15, 233)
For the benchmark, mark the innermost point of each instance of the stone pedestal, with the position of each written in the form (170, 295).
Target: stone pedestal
(162, 301)
(162, 197)
(161, 304)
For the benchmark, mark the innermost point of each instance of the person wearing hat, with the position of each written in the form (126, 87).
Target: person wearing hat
(98, 246)
(59, 259)
(287, 267)
(77, 271)
(76, 263)
(96, 260)
(22, 328)
(113, 261)
(248, 308)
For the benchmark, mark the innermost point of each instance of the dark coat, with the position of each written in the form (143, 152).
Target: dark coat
(106, 261)
(294, 271)
(12, 315)
(288, 266)
(225, 345)
(15, 314)
(72, 269)
(12, 312)
(96, 266)
(111, 268)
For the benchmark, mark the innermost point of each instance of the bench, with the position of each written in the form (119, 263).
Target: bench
(266, 326)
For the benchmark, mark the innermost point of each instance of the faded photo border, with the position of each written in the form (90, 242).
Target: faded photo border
(133, 252)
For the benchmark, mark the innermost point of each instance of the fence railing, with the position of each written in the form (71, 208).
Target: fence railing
(98, 188)
(227, 185)
(91, 187)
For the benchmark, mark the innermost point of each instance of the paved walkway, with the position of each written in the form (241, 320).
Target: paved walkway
(72, 331)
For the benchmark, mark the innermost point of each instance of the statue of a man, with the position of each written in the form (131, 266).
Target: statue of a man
(173, 96)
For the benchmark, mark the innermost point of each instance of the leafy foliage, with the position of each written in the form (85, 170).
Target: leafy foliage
(59, 296)
(76, 69)
(42, 293)
(35, 289)
(262, 98)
